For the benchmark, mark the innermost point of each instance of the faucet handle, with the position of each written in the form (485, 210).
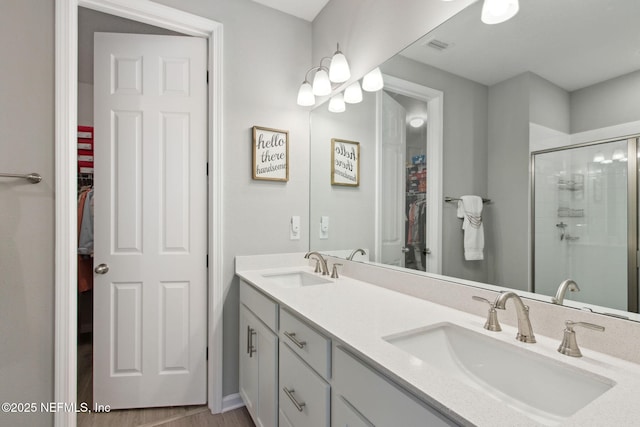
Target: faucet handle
(569, 344)
(492, 323)
(334, 272)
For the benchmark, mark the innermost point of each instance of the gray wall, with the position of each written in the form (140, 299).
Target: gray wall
(465, 154)
(604, 104)
(266, 54)
(513, 104)
(350, 209)
(26, 210)
(508, 181)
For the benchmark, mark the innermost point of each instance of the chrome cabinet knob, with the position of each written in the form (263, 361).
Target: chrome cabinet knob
(101, 269)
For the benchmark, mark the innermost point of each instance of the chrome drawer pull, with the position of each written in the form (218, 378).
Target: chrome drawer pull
(250, 347)
(289, 393)
(292, 337)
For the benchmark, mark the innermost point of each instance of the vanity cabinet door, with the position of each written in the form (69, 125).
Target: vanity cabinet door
(378, 399)
(345, 415)
(258, 369)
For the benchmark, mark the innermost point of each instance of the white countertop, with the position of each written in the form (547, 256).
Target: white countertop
(358, 314)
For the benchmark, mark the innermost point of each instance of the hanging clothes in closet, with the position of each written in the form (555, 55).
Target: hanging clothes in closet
(416, 230)
(85, 239)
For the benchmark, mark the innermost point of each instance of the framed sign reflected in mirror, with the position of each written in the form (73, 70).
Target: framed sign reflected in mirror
(345, 162)
(270, 154)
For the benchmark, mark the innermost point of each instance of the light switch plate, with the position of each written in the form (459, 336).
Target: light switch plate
(294, 228)
(324, 227)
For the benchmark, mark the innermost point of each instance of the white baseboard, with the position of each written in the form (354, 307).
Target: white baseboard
(231, 402)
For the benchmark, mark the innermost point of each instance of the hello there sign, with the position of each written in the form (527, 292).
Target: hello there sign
(270, 154)
(345, 162)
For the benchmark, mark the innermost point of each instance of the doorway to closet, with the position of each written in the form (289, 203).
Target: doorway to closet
(142, 312)
(66, 36)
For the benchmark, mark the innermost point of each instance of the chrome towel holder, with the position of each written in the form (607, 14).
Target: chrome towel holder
(33, 177)
(455, 199)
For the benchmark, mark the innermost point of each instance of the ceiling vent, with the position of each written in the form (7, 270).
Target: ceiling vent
(437, 44)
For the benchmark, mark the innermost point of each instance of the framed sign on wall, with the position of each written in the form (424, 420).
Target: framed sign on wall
(270, 154)
(345, 162)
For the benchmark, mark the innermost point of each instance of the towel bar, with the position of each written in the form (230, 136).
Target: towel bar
(33, 177)
(455, 199)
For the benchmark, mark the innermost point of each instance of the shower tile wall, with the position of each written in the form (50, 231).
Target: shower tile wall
(581, 223)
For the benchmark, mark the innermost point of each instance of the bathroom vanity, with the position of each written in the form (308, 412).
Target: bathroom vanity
(317, 351)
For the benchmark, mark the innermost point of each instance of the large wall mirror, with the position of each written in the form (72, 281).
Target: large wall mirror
(539, 116)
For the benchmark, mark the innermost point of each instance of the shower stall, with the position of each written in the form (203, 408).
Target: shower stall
(584, 221)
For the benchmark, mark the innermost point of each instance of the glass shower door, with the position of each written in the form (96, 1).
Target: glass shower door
(581, 224)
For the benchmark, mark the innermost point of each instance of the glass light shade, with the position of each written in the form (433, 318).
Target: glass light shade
(321, 83)
(336, 104)
(372, 81)
(305, 95)
(339, 68)
(416, 122)
(353, 93)
(497, 11)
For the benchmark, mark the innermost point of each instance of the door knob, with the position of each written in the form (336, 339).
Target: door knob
(405, 250)
(101, 269)
(426, 251)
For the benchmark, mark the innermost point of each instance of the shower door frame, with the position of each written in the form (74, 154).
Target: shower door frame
(632, 211)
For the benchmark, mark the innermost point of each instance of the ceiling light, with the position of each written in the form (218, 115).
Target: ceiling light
(306, 97)
(497, 11)
(336, 104)
(416, 122)
(339, 68)
(372, 81)
(353, 93)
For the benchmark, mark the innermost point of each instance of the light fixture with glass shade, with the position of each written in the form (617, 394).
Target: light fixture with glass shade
(497, 11)
(321, 83)
(306, 97)
(372, 81)
(353, 93)
(336, 103)
(339, 68)
(325, 80)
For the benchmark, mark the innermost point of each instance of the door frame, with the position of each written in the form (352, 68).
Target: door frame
(66, 89)
(435, 146)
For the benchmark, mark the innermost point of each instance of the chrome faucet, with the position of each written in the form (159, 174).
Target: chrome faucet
(525, 331)
(562, 290)
(356, 251)
(320, 259)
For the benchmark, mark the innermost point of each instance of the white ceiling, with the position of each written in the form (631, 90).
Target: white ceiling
(572, 43)
(305, 9)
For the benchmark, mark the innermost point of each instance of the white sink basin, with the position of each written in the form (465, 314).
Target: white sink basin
(542, 388)
(296, 279)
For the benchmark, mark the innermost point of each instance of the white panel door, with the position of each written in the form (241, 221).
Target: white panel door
(150, 307)
(393, 152)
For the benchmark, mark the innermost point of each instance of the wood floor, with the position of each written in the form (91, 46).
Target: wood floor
(179, 416)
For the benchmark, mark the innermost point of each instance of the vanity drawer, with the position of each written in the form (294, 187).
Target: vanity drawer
(313, 347)
(377, 399)
(305, 388)
(263, 307)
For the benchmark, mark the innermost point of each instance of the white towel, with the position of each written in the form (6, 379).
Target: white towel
(470, 208)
